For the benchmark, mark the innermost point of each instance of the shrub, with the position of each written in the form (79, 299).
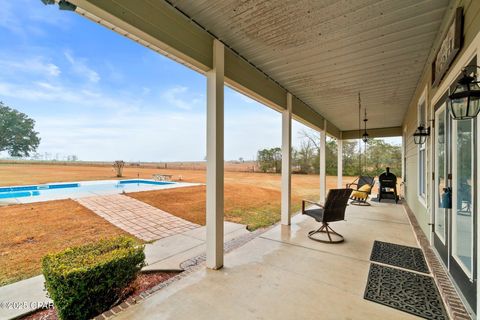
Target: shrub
(87, 280)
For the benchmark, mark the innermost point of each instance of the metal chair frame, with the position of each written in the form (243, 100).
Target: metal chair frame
(333, 210)
(360, 182)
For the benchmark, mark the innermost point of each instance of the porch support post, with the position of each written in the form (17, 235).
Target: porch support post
(339, 163)
(323, 178)
(215, 167)
(286, 161)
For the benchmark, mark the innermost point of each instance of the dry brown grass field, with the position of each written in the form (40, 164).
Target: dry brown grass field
(30, 231)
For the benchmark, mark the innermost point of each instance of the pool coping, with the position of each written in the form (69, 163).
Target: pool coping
(43, 198)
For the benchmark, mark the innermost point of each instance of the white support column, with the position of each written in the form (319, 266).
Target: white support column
(286, 161)
(340, 163)
(323, 177)
(215, 167)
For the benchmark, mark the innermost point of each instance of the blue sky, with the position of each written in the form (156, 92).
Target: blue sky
(100, 96)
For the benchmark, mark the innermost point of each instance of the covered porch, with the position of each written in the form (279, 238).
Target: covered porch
(282, 274)
(308, 61)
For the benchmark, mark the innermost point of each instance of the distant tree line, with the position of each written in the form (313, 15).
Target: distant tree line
(306, 158)
(270, 160)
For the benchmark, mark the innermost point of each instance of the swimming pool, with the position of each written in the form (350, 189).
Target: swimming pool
(56, 191)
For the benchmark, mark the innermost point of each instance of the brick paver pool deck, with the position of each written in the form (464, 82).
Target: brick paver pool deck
(136, 217)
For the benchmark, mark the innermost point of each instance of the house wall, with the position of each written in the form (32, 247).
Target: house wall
(422, 209)
(471, 47)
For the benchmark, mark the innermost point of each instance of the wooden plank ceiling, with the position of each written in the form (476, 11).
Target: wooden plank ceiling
(326, 51)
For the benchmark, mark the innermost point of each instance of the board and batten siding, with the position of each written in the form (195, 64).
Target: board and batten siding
(422, 210)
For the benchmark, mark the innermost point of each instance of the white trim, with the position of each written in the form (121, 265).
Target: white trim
(422, 198)
(477, 128)
(431, 170)
(442, 237)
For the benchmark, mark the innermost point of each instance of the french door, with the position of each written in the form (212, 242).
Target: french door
(454, 195)
(442, 187)
(462, 257)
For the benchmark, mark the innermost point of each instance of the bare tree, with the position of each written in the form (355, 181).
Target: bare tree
(118, 167)
(314, 138)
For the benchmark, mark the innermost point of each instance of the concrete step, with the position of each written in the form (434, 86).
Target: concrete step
(192, 248)
(22, 297)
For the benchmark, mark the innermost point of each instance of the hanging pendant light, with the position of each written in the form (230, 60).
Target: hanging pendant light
(464, 102)
(365, 134)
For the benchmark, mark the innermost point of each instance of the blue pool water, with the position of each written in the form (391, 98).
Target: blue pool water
(80, 189)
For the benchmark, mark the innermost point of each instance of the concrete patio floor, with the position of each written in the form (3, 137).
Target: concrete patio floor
(284, 275)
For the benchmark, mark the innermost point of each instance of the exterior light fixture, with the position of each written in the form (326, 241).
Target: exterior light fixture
(62, 4)
(464, 102)
(65, 5)
(421, 134)
(365, 134)
(365, 137)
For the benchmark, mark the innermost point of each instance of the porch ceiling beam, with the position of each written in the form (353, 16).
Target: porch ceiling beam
(163, 28)
(374, 133)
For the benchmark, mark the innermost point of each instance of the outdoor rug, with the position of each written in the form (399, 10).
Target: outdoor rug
(399, 256)
(406, 291)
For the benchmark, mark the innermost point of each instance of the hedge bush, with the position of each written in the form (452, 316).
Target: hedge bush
(87, 280)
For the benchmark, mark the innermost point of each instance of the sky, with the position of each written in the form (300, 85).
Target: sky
(102, 97)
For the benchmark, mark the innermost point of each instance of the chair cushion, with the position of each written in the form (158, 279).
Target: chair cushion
(361, 195)
(316, 214)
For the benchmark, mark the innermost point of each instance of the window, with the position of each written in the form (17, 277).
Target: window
(422, 153)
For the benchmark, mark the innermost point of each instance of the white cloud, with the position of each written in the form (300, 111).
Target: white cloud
(23, 17)
(159, 136)
(30, 65)
(48, 86)
(7, 18)
(41, 91)
(175, 96)
(80, 67)
(114, 74)
(137, 130)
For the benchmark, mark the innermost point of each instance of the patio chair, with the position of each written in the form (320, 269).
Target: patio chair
(362, 188)
(333, 210)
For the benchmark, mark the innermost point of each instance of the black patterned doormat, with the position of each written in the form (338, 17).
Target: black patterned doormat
(399, 256)
(406, 291)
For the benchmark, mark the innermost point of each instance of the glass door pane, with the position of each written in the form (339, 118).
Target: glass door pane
(442, 193)
(462, 184)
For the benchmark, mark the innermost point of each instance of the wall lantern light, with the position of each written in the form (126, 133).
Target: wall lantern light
(464, 102)
(421, 134)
